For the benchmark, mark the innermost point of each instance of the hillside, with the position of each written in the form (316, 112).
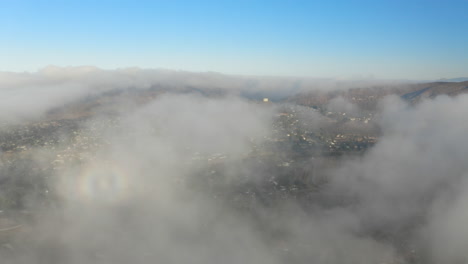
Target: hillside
(432, 90)
(367, 98)
(460, 79)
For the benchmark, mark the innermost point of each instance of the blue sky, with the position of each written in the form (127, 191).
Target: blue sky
(358, 39)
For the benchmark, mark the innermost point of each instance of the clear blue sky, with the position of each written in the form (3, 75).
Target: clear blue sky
(383, 39)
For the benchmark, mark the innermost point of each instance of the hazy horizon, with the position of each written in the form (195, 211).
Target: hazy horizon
(415, 40)
(86, 67)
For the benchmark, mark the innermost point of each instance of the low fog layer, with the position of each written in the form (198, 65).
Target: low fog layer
(178, 180)
(30, 95)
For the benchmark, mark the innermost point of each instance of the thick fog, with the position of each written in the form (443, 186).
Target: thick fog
(176, 179)
(28, 95)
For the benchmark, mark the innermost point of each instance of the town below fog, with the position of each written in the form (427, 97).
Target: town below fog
(284, 150)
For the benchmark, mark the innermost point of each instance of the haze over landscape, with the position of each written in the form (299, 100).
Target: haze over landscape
(233, 132)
